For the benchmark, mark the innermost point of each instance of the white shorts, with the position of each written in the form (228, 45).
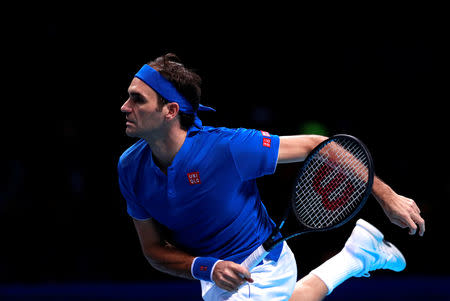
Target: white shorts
(272, 281)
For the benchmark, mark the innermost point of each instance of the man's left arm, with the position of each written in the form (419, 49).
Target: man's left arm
(400, 210)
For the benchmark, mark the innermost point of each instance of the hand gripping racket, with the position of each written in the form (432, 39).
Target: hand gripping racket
(330, 189)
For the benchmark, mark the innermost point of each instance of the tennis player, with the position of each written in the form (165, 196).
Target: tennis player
(191, 192)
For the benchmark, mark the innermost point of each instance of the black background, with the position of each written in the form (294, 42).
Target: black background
(374, 72)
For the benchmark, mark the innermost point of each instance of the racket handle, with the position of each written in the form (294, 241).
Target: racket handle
(253, 259)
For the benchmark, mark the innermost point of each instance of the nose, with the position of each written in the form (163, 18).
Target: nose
(126, 107)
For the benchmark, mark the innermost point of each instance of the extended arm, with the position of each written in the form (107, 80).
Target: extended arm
(400, 210)
(297, 148)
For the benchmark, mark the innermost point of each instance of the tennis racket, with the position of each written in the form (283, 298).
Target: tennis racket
(330, 189)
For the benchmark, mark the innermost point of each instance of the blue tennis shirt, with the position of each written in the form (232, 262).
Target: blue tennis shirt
(209, 199)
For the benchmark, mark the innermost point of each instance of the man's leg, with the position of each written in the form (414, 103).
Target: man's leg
(310, 288)
(365, 250)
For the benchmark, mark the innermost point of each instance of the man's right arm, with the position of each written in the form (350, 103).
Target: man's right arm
(168, 259)
(159, 253)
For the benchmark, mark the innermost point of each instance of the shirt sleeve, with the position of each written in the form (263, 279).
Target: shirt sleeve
(134, 209)
(255, 153)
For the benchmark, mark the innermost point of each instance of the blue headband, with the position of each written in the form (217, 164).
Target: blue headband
(165, 88)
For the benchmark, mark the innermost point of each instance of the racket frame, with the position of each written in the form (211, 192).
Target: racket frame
(275, 238)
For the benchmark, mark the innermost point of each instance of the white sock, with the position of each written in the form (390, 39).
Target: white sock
(337, 269)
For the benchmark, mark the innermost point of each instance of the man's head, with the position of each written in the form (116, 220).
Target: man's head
(187, 82)
(147, 110)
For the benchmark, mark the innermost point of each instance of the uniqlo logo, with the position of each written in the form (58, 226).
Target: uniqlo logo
(266, 142)
(203, 268)
(194, 178)
(265, 134)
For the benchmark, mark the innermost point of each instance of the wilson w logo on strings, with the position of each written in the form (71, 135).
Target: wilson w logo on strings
(326, 181)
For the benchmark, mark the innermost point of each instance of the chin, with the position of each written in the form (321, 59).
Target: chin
(130, 133)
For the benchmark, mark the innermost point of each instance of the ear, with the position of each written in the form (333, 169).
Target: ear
(172, 110)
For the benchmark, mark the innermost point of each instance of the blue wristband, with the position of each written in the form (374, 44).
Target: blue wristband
(202, 268)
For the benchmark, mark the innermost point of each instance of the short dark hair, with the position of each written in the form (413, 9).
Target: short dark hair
(185, 80)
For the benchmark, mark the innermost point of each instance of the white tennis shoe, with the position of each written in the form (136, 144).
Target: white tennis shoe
(367, 244)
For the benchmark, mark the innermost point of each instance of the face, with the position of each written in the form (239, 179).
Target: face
(141, 110)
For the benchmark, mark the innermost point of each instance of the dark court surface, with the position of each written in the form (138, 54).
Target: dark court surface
(375, 288)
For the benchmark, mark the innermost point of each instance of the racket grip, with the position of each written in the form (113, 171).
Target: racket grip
(253, 259)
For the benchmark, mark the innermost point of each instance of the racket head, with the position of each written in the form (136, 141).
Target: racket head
(332, 187)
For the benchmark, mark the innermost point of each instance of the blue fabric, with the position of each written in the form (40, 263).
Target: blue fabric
(209, 198)
(202, 268)
(165, 88)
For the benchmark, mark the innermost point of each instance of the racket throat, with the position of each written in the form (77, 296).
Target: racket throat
(273, 240)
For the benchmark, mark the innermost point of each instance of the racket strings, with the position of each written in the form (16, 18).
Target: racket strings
(332, 185)
(331, 192)
(315, 216)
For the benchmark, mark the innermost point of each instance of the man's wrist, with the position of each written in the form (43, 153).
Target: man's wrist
(202, 268)
(381, 191)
